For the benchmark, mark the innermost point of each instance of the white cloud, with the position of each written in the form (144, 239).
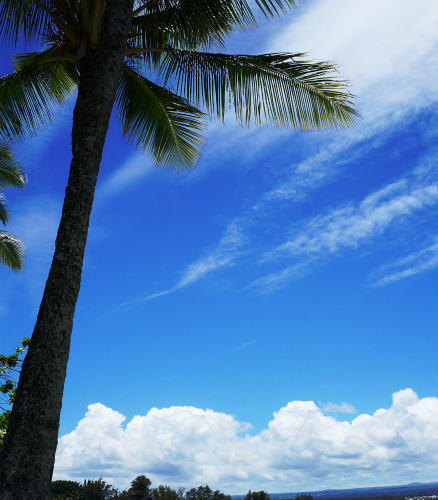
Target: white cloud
(35, 221)
(377, 46)
(380, 48)
(223, 255)
(410, 265)
(353, 224)
(338, 408)
(132, 171)
(301, 448)
(347, 226)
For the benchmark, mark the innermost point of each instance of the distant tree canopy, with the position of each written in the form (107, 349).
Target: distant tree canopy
(90, 489)
(257, 495)
(205, 493)
(98, 489)
(67, 489)
(139, 490)
(304, 497)
(166, 493)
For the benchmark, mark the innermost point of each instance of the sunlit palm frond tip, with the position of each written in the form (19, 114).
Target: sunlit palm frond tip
(11, 251)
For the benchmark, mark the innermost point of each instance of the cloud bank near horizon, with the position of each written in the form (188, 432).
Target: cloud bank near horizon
(301, 448)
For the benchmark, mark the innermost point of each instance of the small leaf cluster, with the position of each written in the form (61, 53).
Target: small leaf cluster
(9, 368)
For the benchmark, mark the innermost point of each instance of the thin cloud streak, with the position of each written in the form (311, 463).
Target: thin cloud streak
(224, 255)
(349, 226)
(132, 171)
(245, 345)
(411, 265)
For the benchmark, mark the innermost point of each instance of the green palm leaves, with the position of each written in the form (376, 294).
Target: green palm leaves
(159, 120)
(172, 74)
(11, 248)
(28, 96)
(281, 89)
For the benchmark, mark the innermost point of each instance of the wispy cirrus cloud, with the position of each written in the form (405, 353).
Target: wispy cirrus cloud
(390, 93)
(410, 265)
(351, 225)
(133, 170)
(35, 222)
(224, 255)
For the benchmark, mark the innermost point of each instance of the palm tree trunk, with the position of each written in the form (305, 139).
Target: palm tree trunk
(27, 457)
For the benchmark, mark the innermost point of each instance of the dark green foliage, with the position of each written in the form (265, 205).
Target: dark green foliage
(90, 489)
(169, 41)
(206, 493)
(98, 489)
(165, 493)
(139, 490)
(257, 495)
(9, 368)
(304, 497)
(67, 490)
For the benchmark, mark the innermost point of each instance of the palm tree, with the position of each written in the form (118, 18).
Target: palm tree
(11, 175)
(157, 61)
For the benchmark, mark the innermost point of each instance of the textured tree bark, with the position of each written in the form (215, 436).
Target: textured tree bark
(28, 455)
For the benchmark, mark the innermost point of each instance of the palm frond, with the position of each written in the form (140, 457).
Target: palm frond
(159, 121)
(11, 174)
(191, 24)
(29, 94)
(188, 24)
(271, 8)
(3, 209)
(43, 20)
(22, 17)
(281, 89)
(11, 251)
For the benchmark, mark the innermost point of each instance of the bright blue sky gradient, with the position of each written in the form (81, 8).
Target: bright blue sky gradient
(286, 267)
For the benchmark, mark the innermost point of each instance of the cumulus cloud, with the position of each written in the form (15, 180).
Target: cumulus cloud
(300, 448)
(338, 407)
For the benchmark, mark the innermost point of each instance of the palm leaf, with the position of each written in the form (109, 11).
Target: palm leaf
(281, 89)
(43, 20)
(29, 94)
(158, 120)
(189, 24)
(11, 174)
(23, 17)
(11, 251)
(3, 209)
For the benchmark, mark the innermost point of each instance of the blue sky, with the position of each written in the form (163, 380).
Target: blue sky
(268, 319)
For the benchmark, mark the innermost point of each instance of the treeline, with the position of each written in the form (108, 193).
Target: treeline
(140, 489)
